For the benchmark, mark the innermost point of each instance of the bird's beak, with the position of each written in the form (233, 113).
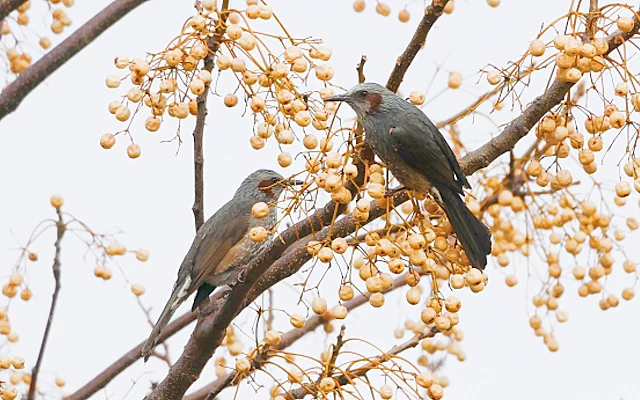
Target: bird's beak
(338, 97)
(294, 182)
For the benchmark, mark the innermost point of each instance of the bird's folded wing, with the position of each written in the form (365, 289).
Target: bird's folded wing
(428, 153)
(226, 228)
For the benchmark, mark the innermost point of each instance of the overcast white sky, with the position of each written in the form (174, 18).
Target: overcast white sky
(50, 145)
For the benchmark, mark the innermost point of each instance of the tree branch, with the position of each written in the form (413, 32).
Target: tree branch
(6, 6)
(60, 229)
(16, 91)
(431, 15)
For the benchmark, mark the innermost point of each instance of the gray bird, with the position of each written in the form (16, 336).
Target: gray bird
(222, 246)
(419, 157)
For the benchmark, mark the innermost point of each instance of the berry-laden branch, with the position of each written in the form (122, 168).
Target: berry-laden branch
(268, 268)
(198, 132)
(60, 229)
(16, 91)
(431, 15)
(520, 127)
(288, 339)
(347, 377)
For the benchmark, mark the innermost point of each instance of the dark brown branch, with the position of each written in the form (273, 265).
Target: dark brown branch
(520, 127)
(6, 6)
(60, 229)
(16, 91)
(288, 339)
(431, 15)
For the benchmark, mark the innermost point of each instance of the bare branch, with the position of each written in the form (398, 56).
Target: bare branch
(431, 15)
(60, 229)
(16, 91)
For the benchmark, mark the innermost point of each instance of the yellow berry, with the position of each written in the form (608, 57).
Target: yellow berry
(537, 48)
(56, 201)
(404, 16)
(455, 79)
(137, 289)
(319, 305)
(142, 255)
(383, 9)
(260, 210)
(258, 233)
(134, 150)
(297, 320)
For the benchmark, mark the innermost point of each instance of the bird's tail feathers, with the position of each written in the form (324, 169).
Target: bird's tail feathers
(473, 235)
(180, 292)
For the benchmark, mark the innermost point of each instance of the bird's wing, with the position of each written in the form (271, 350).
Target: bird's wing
(226, 228)
(422, 147)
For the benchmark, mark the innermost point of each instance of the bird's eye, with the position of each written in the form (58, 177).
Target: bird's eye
(364, 93)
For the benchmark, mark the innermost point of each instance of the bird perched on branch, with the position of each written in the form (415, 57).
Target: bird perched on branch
(419, 157)
(222, 245)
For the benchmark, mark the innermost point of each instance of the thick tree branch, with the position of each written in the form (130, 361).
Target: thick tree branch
(60, 229)
(520, 127)
(431, 15)
(6, 6)
(16, 91)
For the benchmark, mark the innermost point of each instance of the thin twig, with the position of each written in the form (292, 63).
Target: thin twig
(60, 229)
(13, 94)
(468, 110)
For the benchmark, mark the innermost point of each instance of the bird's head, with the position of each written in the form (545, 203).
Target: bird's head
(367, 99)
(265, 185)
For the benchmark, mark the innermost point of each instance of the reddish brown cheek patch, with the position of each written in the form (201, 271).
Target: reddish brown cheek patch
(374, 100)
